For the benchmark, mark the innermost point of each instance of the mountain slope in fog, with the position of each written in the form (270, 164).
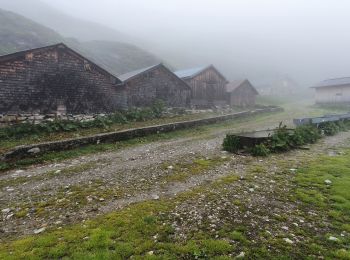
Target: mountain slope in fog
(19, 33)
(62, 23)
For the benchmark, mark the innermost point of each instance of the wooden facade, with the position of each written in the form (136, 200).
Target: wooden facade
(241, 93)
(143, 87)
(333, 91)
(207, 86)
(56, 79)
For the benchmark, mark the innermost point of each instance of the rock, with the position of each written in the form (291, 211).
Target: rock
(58, 171)
(293, 170)
(40, 230)
(287, 240)
(101, 199)
(34, 150)
(241, 255)
(170, 167)
(19, 171)
(10, 189)
(6, 211)
(251, 190)
(285, 228)
(155, 197)
(150, 253)
(331, 238)
(328, 182)
(9, 216)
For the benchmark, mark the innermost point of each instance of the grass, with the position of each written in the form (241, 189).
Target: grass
(182, 171)
(143, 230)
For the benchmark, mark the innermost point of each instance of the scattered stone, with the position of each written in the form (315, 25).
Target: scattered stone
(331, 238)
(58, 171)
(34, 150)
(285, 228)
(241, 255)
(150, 253)
(155, 197)
(170, 167)
(293, 170)
(86, 238)
(19, 171)
(9, 216)
(101, 199)
(6, 211)
(328, 182)
(40, 230)
(251, 190)
(287, 240)
(10, 189)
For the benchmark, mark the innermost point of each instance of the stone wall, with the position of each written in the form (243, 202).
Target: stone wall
(55, 79)
(37, 149)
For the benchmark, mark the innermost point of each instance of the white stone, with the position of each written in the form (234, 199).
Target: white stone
(150, 253)
(58, 171)
(10, 189)
(293, 170)
(34, 150)
(241, 255)
(328, 182)
(251, 190)
(287, 240)
(331, 238)
(5, 211)
(285, 228)
(40, 230)
(170, 167)
(155, 197)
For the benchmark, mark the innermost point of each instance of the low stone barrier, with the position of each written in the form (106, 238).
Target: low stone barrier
(21, 152)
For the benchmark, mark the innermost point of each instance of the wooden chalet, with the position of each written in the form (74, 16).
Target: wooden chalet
(241, 93)
(143, 87)
(207, 86)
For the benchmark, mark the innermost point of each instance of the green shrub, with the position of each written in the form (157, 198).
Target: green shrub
(260, 150)
(329, 128)
(231, 143)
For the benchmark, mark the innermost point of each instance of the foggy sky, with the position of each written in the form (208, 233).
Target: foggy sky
(308, 40)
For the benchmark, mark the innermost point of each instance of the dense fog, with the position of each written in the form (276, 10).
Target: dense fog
(306, 41)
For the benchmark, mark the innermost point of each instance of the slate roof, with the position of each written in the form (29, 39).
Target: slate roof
(233, 85)
(333, 82)
(132, 74)
(15, 55)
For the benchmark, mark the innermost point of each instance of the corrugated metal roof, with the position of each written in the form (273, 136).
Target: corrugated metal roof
(134, 73)
(189, 73)
(333, 82)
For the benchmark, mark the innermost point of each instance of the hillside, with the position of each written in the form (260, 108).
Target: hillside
(19, 33)
(62, 23)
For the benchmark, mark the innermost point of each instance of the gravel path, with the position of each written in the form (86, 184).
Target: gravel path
(54, 195)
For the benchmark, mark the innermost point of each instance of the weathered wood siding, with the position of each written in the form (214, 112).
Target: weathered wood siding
(45, 81)
(157, 84)
(208, 89)
(333, 95)
(243, 96)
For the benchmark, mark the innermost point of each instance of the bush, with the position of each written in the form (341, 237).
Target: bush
(231, 143)
(260, 150)
(329, 128)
